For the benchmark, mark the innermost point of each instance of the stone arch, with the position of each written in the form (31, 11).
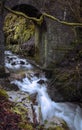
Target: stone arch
(40, 30)
(27, 9)
(55, 35)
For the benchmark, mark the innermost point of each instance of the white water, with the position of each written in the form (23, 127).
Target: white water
(14, 62)
(71, 113)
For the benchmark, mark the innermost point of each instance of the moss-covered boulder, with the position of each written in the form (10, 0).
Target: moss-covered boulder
(55, 123)
(3, 94)
(17, 30)
(13, 116)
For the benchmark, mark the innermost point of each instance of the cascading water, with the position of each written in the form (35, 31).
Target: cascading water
(70, 112)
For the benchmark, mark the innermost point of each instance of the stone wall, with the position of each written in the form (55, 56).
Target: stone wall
(59, 36)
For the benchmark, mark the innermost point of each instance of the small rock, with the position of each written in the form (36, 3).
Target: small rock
(56, 122)
(37, 74)
(41, 81)
(18, 76)
(33, 98)
(22, 62)
(13, 63)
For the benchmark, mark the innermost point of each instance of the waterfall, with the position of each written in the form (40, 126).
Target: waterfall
(70, 112)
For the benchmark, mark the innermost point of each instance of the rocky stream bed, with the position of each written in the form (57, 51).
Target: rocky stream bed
(28, 91)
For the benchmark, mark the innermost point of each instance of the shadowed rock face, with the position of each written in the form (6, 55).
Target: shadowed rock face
(29, 47)
(67, 77)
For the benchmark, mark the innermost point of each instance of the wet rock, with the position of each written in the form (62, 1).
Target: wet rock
(13, 63)
(37, 74)
(13, 87)
(41, 81)
(6, 70)
(29, 47)
(33, 97)
(22, 62)
(18, 76)
(56, 123)
(10, 59)
(17, 96)
(22, 104)
(5, 84)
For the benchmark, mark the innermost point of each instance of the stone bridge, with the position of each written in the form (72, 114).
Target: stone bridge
(52, 38)
(51, 35)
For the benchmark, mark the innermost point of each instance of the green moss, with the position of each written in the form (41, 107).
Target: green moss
(37, 58)
(3, 93)
(57, 128)
(26, 126)
(14, 48)
(60, 128)
(21, 110)
(63, 77)
(17, 29)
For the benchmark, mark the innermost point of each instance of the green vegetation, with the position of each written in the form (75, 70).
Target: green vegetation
(3, 94)
(57, 128)
(17, 29)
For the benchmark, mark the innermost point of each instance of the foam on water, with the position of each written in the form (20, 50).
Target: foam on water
(71, 113)
(14, 62)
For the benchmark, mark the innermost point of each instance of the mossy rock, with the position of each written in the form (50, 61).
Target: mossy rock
(3, 94)
(17, 29)
(26, 126)
(55, 123)
(57, 128)
(14, 48)
(21, 110)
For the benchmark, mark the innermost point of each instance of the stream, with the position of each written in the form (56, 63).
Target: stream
(69, 112)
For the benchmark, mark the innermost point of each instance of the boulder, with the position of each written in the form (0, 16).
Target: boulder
(56, 123)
